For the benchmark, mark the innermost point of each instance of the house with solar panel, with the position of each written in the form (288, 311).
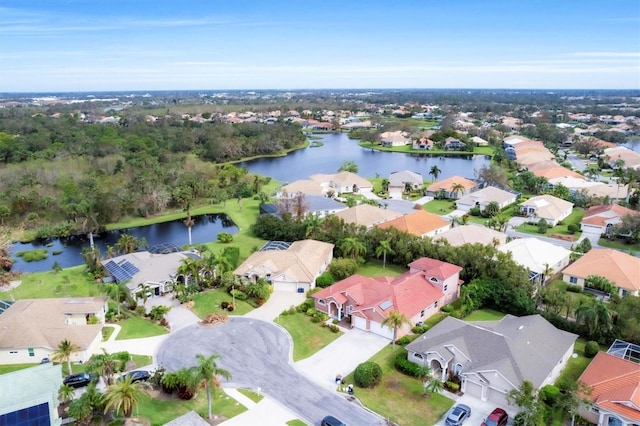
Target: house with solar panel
(156, 269)
(288, 266)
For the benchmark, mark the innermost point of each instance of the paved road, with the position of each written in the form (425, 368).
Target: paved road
(258, 355)
(576, 162)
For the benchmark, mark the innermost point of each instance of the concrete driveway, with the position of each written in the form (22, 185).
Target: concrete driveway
(278, 302)
(479, 410)
(258, 355)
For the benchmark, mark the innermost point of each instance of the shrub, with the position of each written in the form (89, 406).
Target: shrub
(310, 312)
(572, 228)
(140, 310)
(404, 340)
(313, 291)
(573, 288)
(419, 329)
(304, 307)
(447, 309)
(292, 310)
(325, 280)
(474, 211)
(405, 366)
(454, 387)
(591, 349)
(542, 226)
(342, 268)
(224, 304)
(239, 294)
(335, 321)
(231, 308)
(225, 237)
(367, 375)
(319, 317)
(334, 328)
(550, 394)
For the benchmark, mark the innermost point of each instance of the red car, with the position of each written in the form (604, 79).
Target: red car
(498, 417)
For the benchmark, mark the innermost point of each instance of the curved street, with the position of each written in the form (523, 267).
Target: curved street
(258, 356)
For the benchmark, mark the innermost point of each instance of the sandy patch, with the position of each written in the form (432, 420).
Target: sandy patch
(11, 285)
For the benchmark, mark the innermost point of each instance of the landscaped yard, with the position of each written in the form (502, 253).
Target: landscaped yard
(14, 367)
(308, 337)
(575, 217)
(70, 282)
(484, 315)
(209, 301)
(136, 327)
(398, 397)
(373, 268)
(620, 245)
(440, 207)
(576, 366)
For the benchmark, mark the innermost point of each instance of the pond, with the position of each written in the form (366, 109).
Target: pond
(338, 148)
(205, 229)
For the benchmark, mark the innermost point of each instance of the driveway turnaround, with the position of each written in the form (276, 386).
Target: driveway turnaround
(258, 356)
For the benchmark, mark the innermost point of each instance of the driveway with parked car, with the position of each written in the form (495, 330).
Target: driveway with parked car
(480, 410)
(258, 356)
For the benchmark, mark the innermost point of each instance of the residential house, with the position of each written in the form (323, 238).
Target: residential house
(420, 223)
(492, 358)
(479, 141)
(472, 234)
(32, 329)
(537, 255)
(612, 384)
(631, 158)
(453, 144)
(600, 220)
(423, 143)
(547, 207)
(397, 138)
(419, 293)
(367, 215)
(399, 180)
(446, 188)
(312, 205)
(618, 267)
(303, 186)
(342, 182)
(483, 197)
(289, 267)
(30, 396)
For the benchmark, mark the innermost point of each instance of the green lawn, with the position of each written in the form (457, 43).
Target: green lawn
(308, 337)
(159, 411)
(107, 331)
(484, 150)
(251, 395)
(620, 245)
(576, 366)
(136, 327)
(399, 397)
(14, 367)
(296, 422)
(70, 282)
(209, 301)
(575, 217)
(484, 315)
(373, 268)
(440, 207)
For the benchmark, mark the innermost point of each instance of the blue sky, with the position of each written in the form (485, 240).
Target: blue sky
(96, 45)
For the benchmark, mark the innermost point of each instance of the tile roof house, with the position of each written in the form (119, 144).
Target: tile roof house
(292, 269)
(601, 219)
(483, 197)
(31, 329)
(547, 207)
(494, 357)
(472, 234)
(535, 255)
(614, 391)
(398, 180)
(367, 215)
(444, 187)
(420, 223)
(342, 182)
(556, 172)
(418, 293)
(423, 143)
(397, 138)
(618, 267)
(304, 186)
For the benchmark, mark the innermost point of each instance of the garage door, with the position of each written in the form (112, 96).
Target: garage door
(359, 323)
(497, 397)
(285, 286)
(381, 330)
(473, 389)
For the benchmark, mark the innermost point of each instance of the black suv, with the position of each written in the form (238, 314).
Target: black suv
(78, 380)
(136, 376)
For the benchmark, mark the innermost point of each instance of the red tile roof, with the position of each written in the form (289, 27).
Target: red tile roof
(614, 382)
(417, 223)
(435, 268)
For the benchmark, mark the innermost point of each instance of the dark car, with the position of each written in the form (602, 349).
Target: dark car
(458, 415)
(78, 380)
(136, 376)
(498, 417)
(332, 421)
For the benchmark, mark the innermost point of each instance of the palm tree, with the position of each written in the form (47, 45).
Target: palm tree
(66, 394)
(526, 399)
(105, 365)
(313, 224)
(457, 189)
(385, 185)
(64, 351)
(383, 248)
(208, 371)
(353, 247)
(117, 292)
(435, 171)
(189, 222)
(596, 317)
(423, 372)
(142, 291)
(395, 320)
(434, 385)
(123, 395)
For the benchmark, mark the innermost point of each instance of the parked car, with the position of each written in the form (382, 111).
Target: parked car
(45, 360)
(136, 376)
(498, 417)
(78, 380)
(332, 421)
(458, 415)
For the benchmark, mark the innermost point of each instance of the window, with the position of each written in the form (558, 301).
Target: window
(322, 302)
(349, 309)
(433, 279)
(31, 352)
(421, 313)
(419, 356)
(435, 305)
(573, 280)
(13, 352)
(457, 369)
(445, 287)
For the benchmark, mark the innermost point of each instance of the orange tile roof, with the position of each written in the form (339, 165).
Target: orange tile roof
(418, 223)
(555, 172)
(614, 382)
(597, 215)
(620, 268)
(448, 184)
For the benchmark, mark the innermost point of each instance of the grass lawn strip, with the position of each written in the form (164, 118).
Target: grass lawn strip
(251, 395)
(136, 328)
(209, 301)
(373, 268)
(484, 315)
(399, 397)
(308, 337)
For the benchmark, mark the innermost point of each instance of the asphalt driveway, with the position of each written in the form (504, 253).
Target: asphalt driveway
(258, 356)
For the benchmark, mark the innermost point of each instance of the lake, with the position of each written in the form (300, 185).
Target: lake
(338, 148)
(205, 229)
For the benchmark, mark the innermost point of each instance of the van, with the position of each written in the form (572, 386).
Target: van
(331, 421)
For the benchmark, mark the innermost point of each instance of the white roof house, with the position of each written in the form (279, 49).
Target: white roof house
(535, 255)
(473, 234)
(485, 196)
(547, 207)
(399, 179)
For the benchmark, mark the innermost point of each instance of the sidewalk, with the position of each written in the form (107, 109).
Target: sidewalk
(267, 412)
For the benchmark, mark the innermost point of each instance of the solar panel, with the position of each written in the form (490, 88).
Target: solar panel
(276, 245)
(164, 248)
(129, 267)
(117, 272)
(386, 305)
